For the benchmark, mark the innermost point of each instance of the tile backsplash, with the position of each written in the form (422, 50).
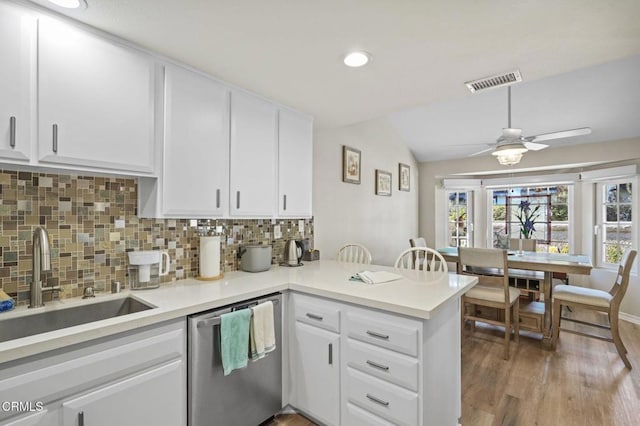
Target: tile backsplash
(92, 223)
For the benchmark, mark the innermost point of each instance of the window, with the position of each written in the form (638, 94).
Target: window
(459, 222)
(615, 217)
(548, 209)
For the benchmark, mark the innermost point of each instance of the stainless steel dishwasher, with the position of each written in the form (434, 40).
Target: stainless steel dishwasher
(246, 397)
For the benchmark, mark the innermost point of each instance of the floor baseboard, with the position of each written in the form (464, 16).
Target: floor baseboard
(630, 318)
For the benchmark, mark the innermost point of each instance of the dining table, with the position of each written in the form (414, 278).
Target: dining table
(548, 264)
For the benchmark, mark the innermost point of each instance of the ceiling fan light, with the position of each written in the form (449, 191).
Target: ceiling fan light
(509, 155)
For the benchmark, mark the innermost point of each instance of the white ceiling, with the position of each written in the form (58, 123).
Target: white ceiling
(423, 51)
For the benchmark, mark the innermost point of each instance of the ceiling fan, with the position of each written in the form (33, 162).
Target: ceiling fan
(510, 146)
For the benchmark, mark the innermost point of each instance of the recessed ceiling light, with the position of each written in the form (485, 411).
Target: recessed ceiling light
(357, 59)
(69, 4)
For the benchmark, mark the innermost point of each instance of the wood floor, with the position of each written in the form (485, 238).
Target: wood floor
(583, 383)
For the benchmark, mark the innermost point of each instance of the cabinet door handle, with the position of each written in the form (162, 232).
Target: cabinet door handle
(284, 202)
(378, 335)
(55, 138)
(81, 418)
(330, 353)
(217, 198)
(237, 199)
(314, 316)
(378, 366)
(12, 132)
(378, 400)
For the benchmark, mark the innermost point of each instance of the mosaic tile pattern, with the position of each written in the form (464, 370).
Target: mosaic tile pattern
(92, 223)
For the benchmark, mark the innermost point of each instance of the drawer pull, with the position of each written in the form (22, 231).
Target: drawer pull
(217, 198)
(81, 418)
(55, 138)
(378, 366)
(12, 132)
(284, 202)
(314, 317)
(378, 400)
(330, 353)
(238, 200)
(378, 335)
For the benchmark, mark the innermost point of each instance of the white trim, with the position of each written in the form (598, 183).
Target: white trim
(537, 180)
(629, 318)
(461, 184)
(610, 173)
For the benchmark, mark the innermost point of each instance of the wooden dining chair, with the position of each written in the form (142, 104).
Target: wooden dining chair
(353, 253)
(422, 258)
(417, 242)
(596, 300)
(492, 291)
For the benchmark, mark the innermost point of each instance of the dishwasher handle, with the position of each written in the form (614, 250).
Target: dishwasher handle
(213, 321)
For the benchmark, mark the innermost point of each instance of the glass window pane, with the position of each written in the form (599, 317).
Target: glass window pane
(612, 214)
(612, 253)
(625, 213)
(611, 193)
(462, 198)
(625, 193)
(611, 234)
(560, 212)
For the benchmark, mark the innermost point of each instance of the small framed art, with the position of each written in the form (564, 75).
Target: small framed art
(404, 177)
(383, 183)
(350, 165)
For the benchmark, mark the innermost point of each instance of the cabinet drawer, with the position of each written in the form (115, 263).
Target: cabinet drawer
(356, 416)
(486, 312)
(391, 332)
(316, 312)
(87, 366)
(390, 366)
(394, 403)
(532, 316)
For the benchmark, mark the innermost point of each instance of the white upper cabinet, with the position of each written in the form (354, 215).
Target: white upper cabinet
(253, 150)
(196, 145)
(295, 164)
(17, 81)
(95, 101)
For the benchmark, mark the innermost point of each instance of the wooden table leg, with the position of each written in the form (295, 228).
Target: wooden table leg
(548, 288)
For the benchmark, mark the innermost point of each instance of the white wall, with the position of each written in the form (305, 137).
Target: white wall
(345, 212)
(431, 174)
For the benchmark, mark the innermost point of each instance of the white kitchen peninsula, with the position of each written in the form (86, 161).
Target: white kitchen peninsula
(416, 319)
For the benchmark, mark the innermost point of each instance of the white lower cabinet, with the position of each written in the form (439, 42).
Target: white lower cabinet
(145, 398)
(356, 416)
(315, 359)
(394, 369)
(130, 379)
(38, 418)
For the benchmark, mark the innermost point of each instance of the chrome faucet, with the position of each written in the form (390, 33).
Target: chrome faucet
(41, 261)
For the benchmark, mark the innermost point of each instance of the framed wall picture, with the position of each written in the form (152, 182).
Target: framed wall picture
(383, 183)
(350, 165)
(404, 177)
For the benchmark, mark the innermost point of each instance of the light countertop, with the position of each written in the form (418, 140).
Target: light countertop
(417, 295)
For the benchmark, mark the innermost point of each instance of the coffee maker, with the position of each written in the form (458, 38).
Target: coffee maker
(146, 267)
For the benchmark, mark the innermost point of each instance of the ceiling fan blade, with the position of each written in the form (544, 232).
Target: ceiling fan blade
(482, 152)
(532, 146)
(559, 135)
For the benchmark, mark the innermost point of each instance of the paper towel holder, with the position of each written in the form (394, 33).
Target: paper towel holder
(220, 274)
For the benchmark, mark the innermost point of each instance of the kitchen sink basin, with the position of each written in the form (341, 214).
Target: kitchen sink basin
(42, 322)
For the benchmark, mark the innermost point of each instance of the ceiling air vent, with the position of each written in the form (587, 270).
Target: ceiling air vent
(494, 81)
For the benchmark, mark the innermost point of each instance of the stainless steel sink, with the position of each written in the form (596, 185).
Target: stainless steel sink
(28, 325)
